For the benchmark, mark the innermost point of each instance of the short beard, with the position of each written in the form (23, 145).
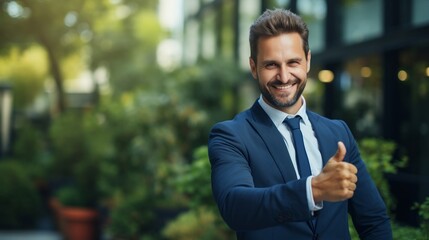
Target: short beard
(276, 103)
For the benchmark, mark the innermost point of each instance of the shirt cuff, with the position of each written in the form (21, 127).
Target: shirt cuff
(312, 206)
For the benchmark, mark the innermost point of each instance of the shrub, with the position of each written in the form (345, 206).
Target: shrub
(20, 202)
(378, 155)
(203, 220)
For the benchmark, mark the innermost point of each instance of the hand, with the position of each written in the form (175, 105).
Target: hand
(337, 181)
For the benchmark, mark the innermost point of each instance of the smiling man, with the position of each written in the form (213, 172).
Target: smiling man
(281, 171)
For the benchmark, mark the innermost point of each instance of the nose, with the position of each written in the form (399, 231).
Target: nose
(284, 75)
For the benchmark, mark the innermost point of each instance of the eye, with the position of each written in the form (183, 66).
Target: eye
(270, 65)
(294, 62)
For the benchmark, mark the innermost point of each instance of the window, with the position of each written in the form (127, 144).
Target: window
(361, 90)
(314, 14)
(420, 12)
(362, 20)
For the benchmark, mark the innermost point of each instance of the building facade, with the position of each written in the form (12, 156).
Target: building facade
(370, 67)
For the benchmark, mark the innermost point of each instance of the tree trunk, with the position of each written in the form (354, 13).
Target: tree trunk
(58, 79)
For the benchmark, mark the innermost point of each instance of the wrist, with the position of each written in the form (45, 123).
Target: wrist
(317, 193)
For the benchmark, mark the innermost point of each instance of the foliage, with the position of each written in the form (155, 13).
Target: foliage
(20, 202)
(165, 122)
(379, 157)
(424, 215)
(80, 143)
(70, 196)
(197, 224)
(203, 220)
(29, 148)
(401, 232)
(97, 33)
(133, 217)
(26, 70)
(195, 181)
(211, 85)
(423, 211)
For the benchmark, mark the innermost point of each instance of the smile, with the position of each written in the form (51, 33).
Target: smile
(284, 86)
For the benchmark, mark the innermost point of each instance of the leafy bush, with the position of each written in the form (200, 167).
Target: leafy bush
(195, 181)
(80, 144)
(401, 232)
(197, 224)
(70, 196)
(203, 220)
(424, 215)
(378, 155)
(133, 217)
(423, 210)
(20, 202)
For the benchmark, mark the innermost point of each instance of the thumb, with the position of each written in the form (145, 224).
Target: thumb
(341, 152)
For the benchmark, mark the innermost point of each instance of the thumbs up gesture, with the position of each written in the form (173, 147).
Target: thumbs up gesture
(337, 180)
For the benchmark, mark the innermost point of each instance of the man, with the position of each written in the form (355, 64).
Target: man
(273, 180)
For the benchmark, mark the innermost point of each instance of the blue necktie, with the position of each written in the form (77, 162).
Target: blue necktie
(301, 156)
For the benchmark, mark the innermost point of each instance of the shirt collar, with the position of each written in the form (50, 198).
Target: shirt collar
(278, 116)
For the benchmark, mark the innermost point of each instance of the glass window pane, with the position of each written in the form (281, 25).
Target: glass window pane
(362, 20)
(249, 11)
(420, 9)
(314, 14)
(361, 88)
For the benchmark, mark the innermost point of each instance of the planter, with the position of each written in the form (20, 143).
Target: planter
(79, 223)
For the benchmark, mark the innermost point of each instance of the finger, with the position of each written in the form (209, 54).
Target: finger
(341, 152)
(352, 187)
(353, 168)
(353, 178)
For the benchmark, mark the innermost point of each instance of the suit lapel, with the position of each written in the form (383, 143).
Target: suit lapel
(324, 137)
(274, 142)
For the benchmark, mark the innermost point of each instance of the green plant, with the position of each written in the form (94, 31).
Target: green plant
(71, 196)
(197, 224)
(194, 182)
(424, 215)
(80, 144)
(401, 232)
(378, 155)
(423, 211)
(20, 202)
(132, 217)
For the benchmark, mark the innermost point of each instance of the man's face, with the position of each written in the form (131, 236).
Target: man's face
(281, 71)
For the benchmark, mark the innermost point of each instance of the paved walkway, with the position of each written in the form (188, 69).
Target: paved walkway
(44, 230)
(29, 235)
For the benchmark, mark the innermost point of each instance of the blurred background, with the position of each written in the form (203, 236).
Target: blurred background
(106, 106)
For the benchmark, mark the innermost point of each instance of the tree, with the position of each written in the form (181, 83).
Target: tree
(120, 35)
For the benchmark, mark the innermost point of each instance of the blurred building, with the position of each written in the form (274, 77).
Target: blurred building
(370, 67)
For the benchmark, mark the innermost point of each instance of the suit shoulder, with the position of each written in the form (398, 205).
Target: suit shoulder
(319, 119)
(235, 123)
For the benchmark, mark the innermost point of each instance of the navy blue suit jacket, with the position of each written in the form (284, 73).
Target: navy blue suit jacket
(258, 193)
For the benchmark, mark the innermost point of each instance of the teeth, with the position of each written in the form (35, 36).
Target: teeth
(283, 87)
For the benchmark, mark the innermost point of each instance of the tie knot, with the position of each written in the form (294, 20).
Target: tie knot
(293, 123)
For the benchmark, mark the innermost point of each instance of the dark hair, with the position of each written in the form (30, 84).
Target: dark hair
(273, 23)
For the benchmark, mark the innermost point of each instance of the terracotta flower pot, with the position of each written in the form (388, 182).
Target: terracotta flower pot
(79, 223)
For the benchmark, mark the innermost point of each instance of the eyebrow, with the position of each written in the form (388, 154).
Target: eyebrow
(297, 59)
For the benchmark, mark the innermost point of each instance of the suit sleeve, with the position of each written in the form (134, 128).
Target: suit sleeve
(366, 208)
(242, 205)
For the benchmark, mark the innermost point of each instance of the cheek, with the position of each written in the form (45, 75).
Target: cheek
(300, 73)
(264, 79)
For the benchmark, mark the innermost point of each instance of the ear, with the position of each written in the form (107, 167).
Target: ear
(308, 61)
(253, 68)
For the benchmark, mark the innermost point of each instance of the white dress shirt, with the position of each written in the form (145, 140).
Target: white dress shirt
(310, 143)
